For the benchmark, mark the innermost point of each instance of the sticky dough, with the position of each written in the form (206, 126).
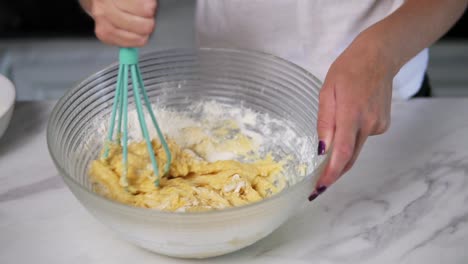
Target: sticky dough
(193, 183)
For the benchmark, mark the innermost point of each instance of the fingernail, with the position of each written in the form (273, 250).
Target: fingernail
(313, 196)
(321, 148)
(321, 189)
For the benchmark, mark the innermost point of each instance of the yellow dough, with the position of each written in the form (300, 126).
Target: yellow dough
(192, 184)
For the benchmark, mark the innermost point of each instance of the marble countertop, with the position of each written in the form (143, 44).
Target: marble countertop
(405, 201)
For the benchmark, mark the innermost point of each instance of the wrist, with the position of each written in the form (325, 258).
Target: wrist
(380, 50)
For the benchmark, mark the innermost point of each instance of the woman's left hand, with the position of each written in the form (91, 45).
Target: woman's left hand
(354, 103)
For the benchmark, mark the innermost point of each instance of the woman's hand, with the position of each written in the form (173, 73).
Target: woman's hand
(356, 96)
(354, 103)
(124, 23)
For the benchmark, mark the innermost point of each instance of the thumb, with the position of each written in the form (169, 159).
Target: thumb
(326, 118)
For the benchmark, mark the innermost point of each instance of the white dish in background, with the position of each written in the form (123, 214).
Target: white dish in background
(7, 102)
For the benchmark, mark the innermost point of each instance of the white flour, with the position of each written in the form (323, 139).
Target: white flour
(269, 134)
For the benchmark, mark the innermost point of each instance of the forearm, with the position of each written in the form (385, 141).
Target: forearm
(414, 26)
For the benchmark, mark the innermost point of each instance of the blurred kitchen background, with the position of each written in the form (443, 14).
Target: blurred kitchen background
(48, 46)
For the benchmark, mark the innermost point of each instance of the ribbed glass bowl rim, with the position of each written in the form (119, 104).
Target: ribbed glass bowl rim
(151, 212)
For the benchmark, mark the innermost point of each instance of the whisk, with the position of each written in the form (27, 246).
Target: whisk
(128, 65)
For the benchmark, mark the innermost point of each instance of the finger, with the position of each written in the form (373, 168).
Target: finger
(326, 118)
(360, 140)
(343, 147)
(111, 35)
(143, 8)
(86, 5)
(130, 22)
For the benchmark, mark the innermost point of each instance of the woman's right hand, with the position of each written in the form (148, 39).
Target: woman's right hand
(123, 23)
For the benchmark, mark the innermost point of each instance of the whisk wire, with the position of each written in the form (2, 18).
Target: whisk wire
(129, 66)
(156, 126)
(120, 116)
(123, 178)
(141, 119)
(115, 106)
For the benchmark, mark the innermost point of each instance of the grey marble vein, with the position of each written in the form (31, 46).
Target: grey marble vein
(449, 229)
(51, 183)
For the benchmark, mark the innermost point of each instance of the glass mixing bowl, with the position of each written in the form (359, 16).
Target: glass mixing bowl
(175, 78)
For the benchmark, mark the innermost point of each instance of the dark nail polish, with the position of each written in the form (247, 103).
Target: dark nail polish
(313, 196)
(321, 189)
(321, 148)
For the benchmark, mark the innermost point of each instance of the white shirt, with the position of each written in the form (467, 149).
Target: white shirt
(310, 33)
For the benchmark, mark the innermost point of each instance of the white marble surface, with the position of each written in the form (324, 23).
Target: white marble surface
(405, 201)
